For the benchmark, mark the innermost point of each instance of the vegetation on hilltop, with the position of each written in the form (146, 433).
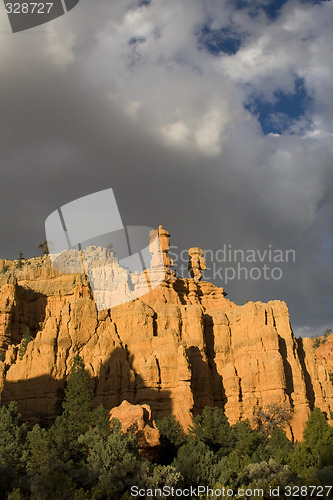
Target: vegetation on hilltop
(321, 339)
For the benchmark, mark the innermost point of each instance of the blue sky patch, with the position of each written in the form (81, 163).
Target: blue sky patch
(276, 117)
(217, 41)
(314, 2)
(271, 8)
(136, 39)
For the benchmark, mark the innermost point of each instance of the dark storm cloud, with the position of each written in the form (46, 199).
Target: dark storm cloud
(82, 109)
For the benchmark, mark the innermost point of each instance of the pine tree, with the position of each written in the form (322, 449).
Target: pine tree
(78, 396)
(77, 416)
(44, 247)
(20, 260)
(316, 449)
(113, 461)
(13, 448)
(247, 440)
(212, 427)
(317, 429)
(279, 447)
(172, 436)
(195, 461)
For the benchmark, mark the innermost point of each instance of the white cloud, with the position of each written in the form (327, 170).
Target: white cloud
(59, 47)
(177, 133)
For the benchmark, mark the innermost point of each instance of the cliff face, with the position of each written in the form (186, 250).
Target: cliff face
(178, 348)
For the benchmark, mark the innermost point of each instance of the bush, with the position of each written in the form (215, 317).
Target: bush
(247, 440)
(316, 342)
(113, 461)
(321, 339)
(27, 337)
(16, 494)
(195, 461)
(172, 437)
(279, 447)
(164, 475)
(5, 269)
(212, 427)
(263, 476)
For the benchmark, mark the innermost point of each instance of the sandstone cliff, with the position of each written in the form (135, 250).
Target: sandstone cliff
(178, 348)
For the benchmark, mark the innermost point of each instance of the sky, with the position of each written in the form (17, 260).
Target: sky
(213, 118)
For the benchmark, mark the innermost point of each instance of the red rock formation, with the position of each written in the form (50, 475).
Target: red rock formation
(178, 348)
(137, 419)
